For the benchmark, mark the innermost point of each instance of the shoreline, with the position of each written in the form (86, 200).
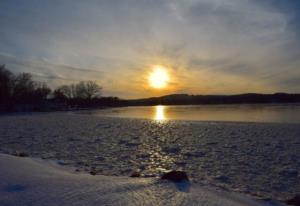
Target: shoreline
(74, 109)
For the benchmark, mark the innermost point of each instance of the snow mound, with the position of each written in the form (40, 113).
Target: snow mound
(25, 181)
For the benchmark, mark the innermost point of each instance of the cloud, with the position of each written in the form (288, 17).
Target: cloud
(116, 42)
(48, 71)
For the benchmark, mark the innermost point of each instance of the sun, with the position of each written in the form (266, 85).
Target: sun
(159, 77)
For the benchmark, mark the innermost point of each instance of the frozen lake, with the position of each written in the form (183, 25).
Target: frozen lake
(261, 159)
(284, 113)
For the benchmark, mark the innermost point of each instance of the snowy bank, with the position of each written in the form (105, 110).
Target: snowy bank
(25, 181)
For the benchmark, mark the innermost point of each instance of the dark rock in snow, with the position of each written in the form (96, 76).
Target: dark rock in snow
(21, 154)
(61, 162)
(294, 201)
(135, 174)
(175, 176)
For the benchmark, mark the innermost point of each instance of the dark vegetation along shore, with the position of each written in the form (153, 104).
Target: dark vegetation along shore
(19, 92)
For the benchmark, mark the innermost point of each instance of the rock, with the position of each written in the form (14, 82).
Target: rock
(175, 176)
(21, 154)
(61, 162)
(294, 201)
(135, 174)
(93, 172)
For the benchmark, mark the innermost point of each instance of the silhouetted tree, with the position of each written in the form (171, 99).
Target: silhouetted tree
(59, 95)
(88, 90)
(68, 91)
(23, 90)
(41, 91)
(6, 84)
(82, 90)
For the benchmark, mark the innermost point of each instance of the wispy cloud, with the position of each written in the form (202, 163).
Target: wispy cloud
(210, 46)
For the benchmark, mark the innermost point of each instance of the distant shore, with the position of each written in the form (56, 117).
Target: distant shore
(52, 105)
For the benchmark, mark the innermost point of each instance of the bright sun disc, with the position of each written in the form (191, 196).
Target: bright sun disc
(159, 77)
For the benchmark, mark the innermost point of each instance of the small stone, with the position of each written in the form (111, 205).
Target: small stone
(135, 174)
(175, 176)
(20, 154)
(61, 162)
(93, 172)
(294, 201)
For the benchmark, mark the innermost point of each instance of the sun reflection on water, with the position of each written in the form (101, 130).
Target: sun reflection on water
(159, 114)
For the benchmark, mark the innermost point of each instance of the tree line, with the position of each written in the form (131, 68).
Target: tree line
(19, 92)
(20, 89)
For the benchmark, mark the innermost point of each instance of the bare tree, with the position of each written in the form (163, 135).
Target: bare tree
(64, 90)
(84, 90)
(41, 91)
(6, 84)
(88, 90)
(24, 87)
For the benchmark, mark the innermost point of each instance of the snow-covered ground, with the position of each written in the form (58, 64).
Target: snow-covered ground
(24, 181)
(260, 159)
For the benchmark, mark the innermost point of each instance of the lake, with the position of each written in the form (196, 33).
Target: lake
(285, 113)
(255, 158)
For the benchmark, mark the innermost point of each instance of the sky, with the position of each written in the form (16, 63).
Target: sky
(206, 46)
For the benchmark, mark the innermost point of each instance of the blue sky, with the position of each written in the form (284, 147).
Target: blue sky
(208, 46)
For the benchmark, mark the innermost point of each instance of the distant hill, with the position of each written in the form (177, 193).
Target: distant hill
(185, 99)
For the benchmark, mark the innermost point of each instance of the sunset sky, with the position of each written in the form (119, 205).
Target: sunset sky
(204, 46)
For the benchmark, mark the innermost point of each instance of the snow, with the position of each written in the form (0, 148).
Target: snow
(25, 181)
